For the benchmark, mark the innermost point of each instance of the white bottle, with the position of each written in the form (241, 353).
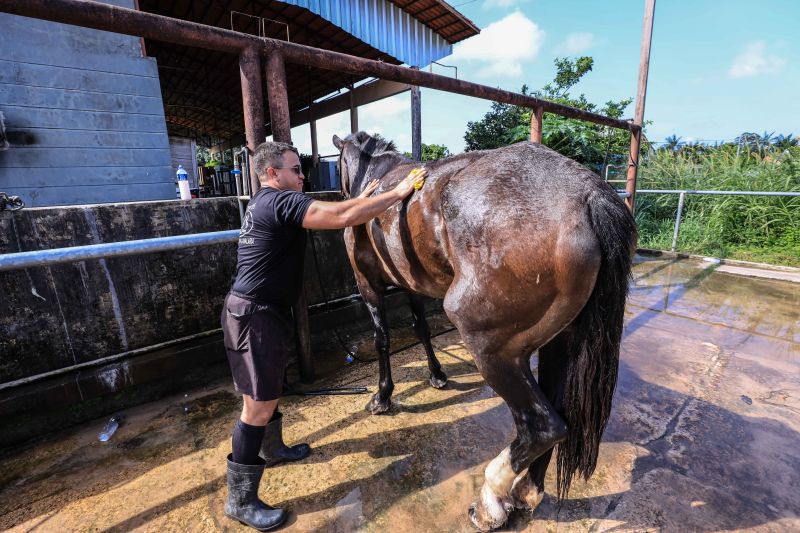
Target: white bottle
(183, 183)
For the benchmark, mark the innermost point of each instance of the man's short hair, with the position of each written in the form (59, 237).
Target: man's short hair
(270, 154)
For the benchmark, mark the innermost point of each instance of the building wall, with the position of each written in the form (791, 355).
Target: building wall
(83, 114)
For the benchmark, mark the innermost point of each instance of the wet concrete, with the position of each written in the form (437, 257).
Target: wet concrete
(703, 437)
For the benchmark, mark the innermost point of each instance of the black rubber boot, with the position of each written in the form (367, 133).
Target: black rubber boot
(243, 503)
(274, 451)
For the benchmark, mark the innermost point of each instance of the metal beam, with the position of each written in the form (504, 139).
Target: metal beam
(278, 99)
(253, 104)
(131, 22)
(641, 93)
(113, 249)
(362, 95)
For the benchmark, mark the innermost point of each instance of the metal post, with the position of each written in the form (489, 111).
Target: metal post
(353, 112)
(678, 221)
(253, 102)
(641, 93)
(314, 144)
(278, 98)
(281, 132)
(416, 122)
(536, 125)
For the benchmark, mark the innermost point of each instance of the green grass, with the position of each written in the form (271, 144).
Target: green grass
(752, 228)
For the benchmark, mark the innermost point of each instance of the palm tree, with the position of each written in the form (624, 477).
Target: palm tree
(766, 140)
(673, 143)
(784, 142)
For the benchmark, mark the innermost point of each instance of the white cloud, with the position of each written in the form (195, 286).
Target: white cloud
(490, 4)
(754, 61)
(386, 108)
(502, 46)
(576, 43)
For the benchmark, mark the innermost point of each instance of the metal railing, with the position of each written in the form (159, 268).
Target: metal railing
(72, 254)
(682, 197)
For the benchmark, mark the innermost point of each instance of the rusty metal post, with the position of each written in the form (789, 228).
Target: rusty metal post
(314, 144)
(641, 93)
(278, 98)
(536, 124)
(281, 132)
(353, 112)
(253, 102)
(416, 122)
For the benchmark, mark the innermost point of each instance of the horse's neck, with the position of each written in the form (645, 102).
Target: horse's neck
(377, 168)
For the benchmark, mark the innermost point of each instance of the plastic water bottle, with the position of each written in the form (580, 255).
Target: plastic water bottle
(110, 427)
(183, 183)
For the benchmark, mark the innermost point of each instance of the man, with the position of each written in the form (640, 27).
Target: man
(256, 320)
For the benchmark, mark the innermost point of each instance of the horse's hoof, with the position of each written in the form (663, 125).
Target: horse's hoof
(376, 406)
(525, 495)
(438, 382)
(491, 512)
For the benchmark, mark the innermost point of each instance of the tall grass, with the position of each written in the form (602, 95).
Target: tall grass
(755, 228)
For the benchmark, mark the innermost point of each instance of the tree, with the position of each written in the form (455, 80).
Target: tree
(432, 152)
(673, 143)
(784, 142)
(591, 144)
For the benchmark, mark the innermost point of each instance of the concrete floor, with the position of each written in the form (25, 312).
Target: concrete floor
(704, 436)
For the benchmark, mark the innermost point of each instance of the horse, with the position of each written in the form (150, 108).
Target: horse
(529, 251)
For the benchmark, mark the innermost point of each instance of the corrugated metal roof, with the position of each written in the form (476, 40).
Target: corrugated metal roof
(441, 17)
(385, 26)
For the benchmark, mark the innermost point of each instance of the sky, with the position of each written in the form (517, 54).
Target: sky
(716, 68)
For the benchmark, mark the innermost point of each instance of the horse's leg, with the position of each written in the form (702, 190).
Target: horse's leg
(438, 378)
(538, 425)
(382, 400)
(528, 489)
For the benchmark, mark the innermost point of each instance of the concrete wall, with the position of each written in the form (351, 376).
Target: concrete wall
(52, 318)
(84, 116)
(62, 315)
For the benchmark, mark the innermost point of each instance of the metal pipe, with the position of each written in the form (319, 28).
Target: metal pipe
(113, 249)
(734, 193)
(536, 125)
(131, 22)
(328, 60)
(416, 123)
(641, 94)
(353, 112)
(678, 221)
(253, 103)
(278, 99)
(282, 132)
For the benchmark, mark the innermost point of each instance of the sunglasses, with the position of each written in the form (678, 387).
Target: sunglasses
(297, 169)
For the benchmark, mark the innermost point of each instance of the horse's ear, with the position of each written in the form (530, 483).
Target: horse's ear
(337, 142)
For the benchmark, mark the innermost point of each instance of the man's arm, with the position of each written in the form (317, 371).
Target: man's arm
(337, 215)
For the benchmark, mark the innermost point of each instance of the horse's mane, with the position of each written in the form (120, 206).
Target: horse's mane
(379, 145)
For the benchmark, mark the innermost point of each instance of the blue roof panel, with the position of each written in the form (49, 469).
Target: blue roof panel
(384, 26)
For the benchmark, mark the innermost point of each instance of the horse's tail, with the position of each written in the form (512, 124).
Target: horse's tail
(593, 349)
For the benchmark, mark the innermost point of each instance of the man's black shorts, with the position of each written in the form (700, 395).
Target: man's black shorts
(258, 339)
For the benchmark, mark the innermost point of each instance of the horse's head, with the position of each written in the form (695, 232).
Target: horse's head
(359, 154)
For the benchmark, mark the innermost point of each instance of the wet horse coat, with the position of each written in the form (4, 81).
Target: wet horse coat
(529, 251)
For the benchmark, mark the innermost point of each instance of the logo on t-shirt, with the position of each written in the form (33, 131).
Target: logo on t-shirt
(247, 226)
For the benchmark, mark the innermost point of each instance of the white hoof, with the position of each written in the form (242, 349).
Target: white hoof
(491, 512)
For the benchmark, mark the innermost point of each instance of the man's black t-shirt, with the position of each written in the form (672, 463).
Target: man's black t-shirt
(272, 247)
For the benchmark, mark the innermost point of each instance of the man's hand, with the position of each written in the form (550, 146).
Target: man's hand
(369, 189)
(335, 215)
(414, 180)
